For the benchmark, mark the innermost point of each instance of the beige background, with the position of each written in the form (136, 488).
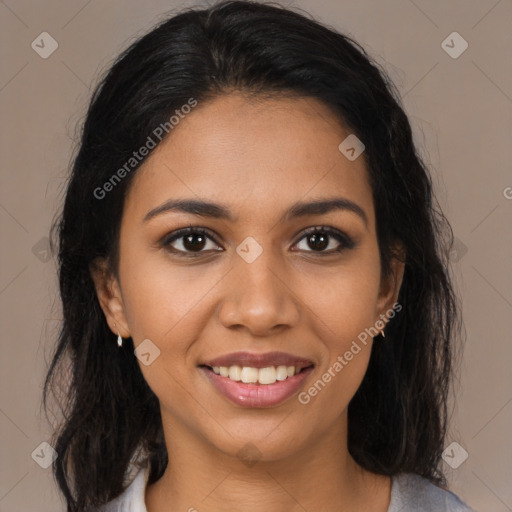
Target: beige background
(461, 110)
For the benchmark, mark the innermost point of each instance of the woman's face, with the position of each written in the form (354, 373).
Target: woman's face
(252, 289)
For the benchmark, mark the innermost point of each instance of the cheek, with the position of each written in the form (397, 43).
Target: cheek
(170, 306)
(158, 296)
(345, 300)
(345, 312)
(328, 396)
(345, 316)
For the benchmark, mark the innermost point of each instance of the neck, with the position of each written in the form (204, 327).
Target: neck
(320, 477)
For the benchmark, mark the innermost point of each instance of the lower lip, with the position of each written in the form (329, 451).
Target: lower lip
(257, 395)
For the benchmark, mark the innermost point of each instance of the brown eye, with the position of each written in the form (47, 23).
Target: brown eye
(318, 239)
(194, 242)
(189, 241)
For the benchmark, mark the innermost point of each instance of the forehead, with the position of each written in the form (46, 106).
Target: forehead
(254, 154)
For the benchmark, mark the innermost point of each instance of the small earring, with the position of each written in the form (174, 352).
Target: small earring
(119, 340)
(382, 332)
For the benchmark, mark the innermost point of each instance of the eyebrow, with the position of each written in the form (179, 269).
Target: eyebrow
(219, 211)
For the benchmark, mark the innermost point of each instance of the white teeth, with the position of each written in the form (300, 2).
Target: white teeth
(250, 375)
(267, 375)
(281, 373)
(235, 373)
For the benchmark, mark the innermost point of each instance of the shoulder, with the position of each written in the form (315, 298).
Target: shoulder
(132, 499)
(411, 493)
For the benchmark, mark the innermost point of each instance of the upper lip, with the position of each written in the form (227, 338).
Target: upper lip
(255, 360)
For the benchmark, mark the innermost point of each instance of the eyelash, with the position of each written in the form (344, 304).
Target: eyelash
(345, 241)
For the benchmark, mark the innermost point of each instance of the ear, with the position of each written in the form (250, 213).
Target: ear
(390, 285)
(109, 297)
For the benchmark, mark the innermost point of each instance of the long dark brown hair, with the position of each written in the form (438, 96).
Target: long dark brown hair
(398, 417)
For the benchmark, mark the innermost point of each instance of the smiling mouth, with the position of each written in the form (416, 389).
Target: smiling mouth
(258, 376)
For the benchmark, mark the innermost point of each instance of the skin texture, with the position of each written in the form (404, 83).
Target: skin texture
(257, 157)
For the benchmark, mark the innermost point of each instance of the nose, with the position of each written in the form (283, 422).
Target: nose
(259, 297)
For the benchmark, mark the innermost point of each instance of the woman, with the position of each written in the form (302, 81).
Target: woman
(257, 308)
